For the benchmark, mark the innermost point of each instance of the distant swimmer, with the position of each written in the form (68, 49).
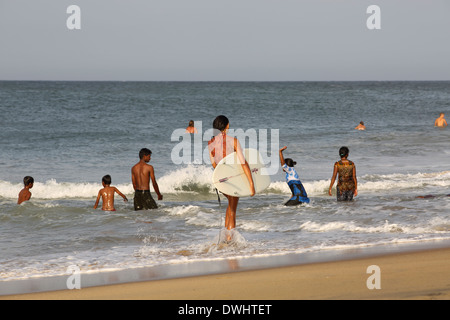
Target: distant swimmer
(141, 174)
(440, 122)
(25, 194)
(361, 126)
(191, 128)
(428, 196)
(107, 195)
(299, 194)
(347, 185)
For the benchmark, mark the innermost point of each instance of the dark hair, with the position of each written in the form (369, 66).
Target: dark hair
(144, 152)
(220, 123)
(289, 162)
(343, 152)
(27, 180)
(106, 179)
(191, 123)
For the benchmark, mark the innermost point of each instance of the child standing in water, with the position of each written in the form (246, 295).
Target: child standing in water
(347, 185)
(299, 194)
(25, 194)
(107, 194)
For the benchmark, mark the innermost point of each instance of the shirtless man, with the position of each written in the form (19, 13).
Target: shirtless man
(141, 174)
(440, 122)
(107, 195)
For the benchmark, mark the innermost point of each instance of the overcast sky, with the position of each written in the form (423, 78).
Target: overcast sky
(225, 40)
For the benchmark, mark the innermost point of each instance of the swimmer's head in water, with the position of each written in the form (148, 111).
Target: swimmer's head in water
(28, 180)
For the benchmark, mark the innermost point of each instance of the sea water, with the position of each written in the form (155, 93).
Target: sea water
(68, 135)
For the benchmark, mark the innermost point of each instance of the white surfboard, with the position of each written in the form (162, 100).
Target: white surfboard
(229, 177)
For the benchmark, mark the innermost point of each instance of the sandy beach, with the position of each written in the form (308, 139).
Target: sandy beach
(412, 275)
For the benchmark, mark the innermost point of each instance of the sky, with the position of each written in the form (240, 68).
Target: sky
(225, 40)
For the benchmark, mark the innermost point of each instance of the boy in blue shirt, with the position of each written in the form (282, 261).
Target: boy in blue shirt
(299, 195)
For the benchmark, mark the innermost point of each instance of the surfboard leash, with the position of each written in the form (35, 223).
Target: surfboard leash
(218, 198)
(220, 223)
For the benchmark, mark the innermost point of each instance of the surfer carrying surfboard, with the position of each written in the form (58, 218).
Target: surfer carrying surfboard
(219, 147)
(299, 194)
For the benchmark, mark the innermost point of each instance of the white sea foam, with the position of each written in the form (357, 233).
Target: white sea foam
(436, 225)
(59, 227)
(188, 179)
(375, 183)
(197, 179)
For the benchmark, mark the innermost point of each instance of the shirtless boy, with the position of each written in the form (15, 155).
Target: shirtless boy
(361, 126)
(107, 194)
(141, 174)
(25, 194)
(440, 122)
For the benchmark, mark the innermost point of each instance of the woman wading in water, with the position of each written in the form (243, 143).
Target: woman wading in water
(347, 185)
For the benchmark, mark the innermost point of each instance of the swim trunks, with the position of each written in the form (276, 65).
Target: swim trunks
(143, 200)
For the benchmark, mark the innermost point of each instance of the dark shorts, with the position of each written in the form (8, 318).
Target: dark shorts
(143, 200)
(294, 201)
(344, 195)
(300, 195)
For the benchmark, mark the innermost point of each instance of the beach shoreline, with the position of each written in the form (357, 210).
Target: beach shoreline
(58, 231)
(419, 271)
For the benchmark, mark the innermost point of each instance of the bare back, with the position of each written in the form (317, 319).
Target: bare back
(141, 174)
(440, 122)
(24, 195)
(107, 195)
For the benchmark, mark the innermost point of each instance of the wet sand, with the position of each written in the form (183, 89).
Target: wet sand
(412, 275)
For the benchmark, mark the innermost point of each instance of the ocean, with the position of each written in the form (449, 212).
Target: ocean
(68, 135)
